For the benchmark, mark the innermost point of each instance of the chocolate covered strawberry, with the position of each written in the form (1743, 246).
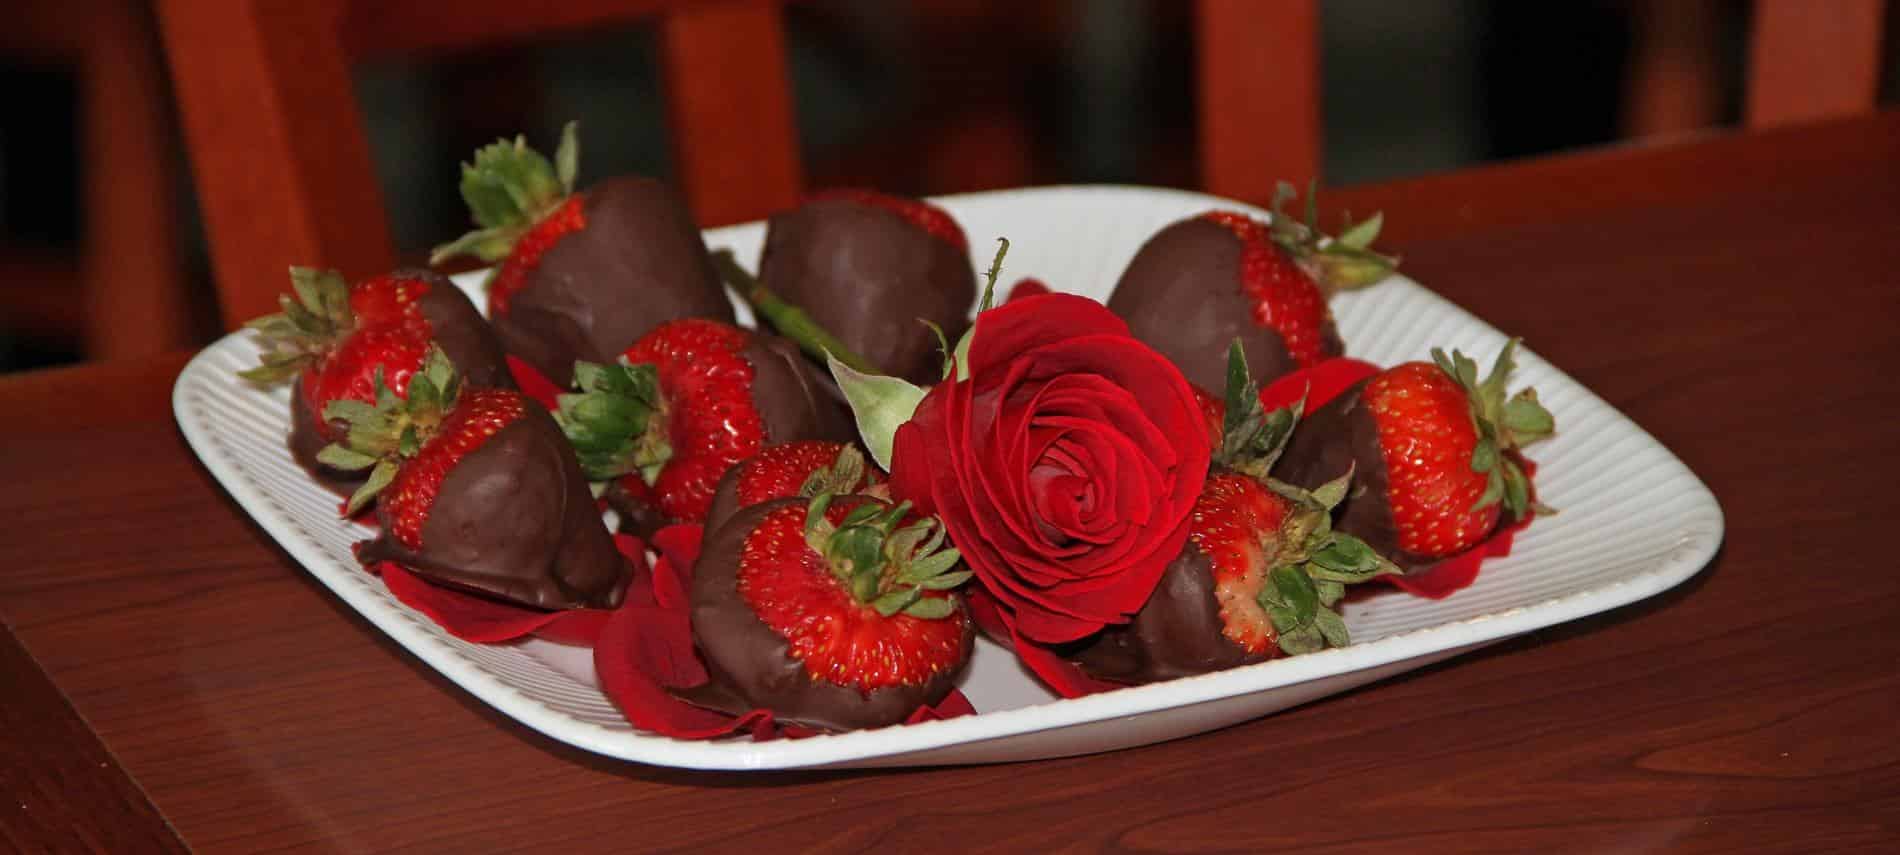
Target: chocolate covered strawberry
(833, 613)
(1199, 284)
(1260, 572)
(867, 266)
(579, 275)
(800, 469)
(682, 405)
(1436, 449)
(333, 338)
(477, 490)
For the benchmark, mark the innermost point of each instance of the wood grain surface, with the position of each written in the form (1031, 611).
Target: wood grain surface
(1749, 324)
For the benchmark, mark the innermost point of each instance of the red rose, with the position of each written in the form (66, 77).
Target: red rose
(1064, 468)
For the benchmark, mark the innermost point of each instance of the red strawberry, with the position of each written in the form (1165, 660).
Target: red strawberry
(579, 275)
(867, 267)
(1198, 284)
(477, 490)
(1260, 572)
(803, 468)
(1437, 445)
(334, 339)
(684, 404)
(836, 614)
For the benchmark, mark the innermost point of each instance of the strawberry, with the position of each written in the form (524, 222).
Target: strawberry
(1260, 572)
(832, 612)
(803, 468)
(866, 266)
(1200, 283)
(477, 490)
(685, 403)
(333, 339)
(1439, 449)
(579, 275)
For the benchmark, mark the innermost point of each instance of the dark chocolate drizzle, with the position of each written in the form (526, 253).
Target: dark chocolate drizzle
(1181, 295)
(639, 262)
(465, 338)
(514, 521)
(750, 665)
(866, 275)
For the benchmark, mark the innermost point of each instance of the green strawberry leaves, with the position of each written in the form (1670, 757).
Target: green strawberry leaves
(379, 436)
(893, 568)
(315, 315)
(1251, 438)
(509, 187)
(615, 420)
(1342, 263)
(1504, 424)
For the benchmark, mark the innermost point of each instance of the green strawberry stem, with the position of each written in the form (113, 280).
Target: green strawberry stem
(788, 320)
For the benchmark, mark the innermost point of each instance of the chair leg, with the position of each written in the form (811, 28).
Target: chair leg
(136, 297)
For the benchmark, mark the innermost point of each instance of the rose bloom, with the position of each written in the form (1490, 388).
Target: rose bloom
(1064, 468)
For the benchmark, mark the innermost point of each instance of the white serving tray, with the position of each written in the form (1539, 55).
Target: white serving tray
(1635, 522)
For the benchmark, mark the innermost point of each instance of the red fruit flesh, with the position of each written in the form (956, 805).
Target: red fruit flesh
(1236, 524)
(513, 272)
(1213, 412)
(390, 334)
(478, 415)
(1285, 298)
(1426, 437)
(932, 219)
(711, 421)
(780, 471)
(835, 637)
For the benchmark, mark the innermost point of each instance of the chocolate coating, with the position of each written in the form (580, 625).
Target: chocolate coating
(1177, 632)
(725, 500)
(1181, 296)
(514, 520)
(1338, 436)
(866, 275)
(456, 326)
(640, 262)
(794, 401)
(750, 665)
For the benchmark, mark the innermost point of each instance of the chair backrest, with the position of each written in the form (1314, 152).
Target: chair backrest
(283, 167)
(1259, 62)
(282, 163)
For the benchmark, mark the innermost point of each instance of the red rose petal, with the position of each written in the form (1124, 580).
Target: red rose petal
(471, 617)
(1320, 383)
(1060, 675)
(533, 383)
(1018, 325)
(1026, 287)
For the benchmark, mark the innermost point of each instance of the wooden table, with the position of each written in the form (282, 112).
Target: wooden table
(170, 677)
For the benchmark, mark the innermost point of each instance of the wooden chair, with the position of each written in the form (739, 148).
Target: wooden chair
(125, 295)
(1259, 60)
(283, 165)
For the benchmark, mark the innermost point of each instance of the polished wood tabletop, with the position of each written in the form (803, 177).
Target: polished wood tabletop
(170, 679)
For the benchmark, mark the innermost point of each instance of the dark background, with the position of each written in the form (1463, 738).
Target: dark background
(1099, 93)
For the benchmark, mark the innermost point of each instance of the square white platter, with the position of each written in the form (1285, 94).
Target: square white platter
(1635, 522)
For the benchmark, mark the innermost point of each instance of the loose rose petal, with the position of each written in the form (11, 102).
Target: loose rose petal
(534, 384)
(1320, 383)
